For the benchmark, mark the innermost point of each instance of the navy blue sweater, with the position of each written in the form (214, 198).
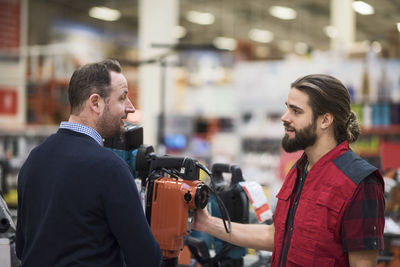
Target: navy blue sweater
(78, 206)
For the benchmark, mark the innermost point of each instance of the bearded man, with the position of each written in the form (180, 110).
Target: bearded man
(330, 209)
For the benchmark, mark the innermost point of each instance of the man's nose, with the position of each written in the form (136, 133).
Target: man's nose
(129, 108)
(285, 117)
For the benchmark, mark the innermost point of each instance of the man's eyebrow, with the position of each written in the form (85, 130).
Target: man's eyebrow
(293, 106)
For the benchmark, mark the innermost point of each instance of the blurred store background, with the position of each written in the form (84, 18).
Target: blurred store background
(208, 78)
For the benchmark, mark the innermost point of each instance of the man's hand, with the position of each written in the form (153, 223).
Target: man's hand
(200, 220)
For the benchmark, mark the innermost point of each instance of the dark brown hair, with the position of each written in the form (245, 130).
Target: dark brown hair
(89, 79)
(328, 95)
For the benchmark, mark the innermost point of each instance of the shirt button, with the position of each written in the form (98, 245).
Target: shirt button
(374, 227)
(291, 228)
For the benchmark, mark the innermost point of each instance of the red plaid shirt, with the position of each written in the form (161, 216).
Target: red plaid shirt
(364, 218)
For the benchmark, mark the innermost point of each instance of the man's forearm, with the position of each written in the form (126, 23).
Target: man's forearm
(257, 236)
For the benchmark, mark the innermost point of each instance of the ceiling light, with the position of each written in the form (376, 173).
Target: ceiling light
(398, 26)
(376, 46)
(225, 43)
(201, 18)
(104, 13)
(363, 8)
(331, 31)
(283, 12)
(179, 32)
(261, 36)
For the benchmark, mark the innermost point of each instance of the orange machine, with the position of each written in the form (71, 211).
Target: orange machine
(173, 205)
(174, 192)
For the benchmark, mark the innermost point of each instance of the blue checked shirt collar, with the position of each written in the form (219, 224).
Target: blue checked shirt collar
(80, 128)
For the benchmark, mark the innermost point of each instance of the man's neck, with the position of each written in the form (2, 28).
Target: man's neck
(81, 120)
(322, 146)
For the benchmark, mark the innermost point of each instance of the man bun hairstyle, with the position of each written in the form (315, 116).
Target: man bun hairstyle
(328, 95)
(352, 128)
(89, 79)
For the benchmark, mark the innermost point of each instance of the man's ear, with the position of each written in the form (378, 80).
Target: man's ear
(96, 103)
(327, 120)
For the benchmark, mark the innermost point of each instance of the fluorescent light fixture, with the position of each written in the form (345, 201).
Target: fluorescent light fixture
(283, 12)
(363, 8)
(225, 43)
(261, 36)
(376, 46)
(179, 32)
(202, 18)
(398, 26)
(331, 31)
(104, 13)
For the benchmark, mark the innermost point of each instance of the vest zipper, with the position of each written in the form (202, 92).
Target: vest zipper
(287, 237)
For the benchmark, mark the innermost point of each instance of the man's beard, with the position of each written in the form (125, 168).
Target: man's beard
(109, 126)
(303, 138)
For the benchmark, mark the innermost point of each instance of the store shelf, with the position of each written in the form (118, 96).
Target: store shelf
(28, 130)
(384, 129)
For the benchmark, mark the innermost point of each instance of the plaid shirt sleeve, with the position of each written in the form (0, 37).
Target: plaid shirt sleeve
(364, 218)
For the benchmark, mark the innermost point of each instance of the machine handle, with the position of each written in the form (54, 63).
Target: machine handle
(147, 160)
(199, 244)
(219, 168)
(167, 162)
(237, 175)
(245, 201)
